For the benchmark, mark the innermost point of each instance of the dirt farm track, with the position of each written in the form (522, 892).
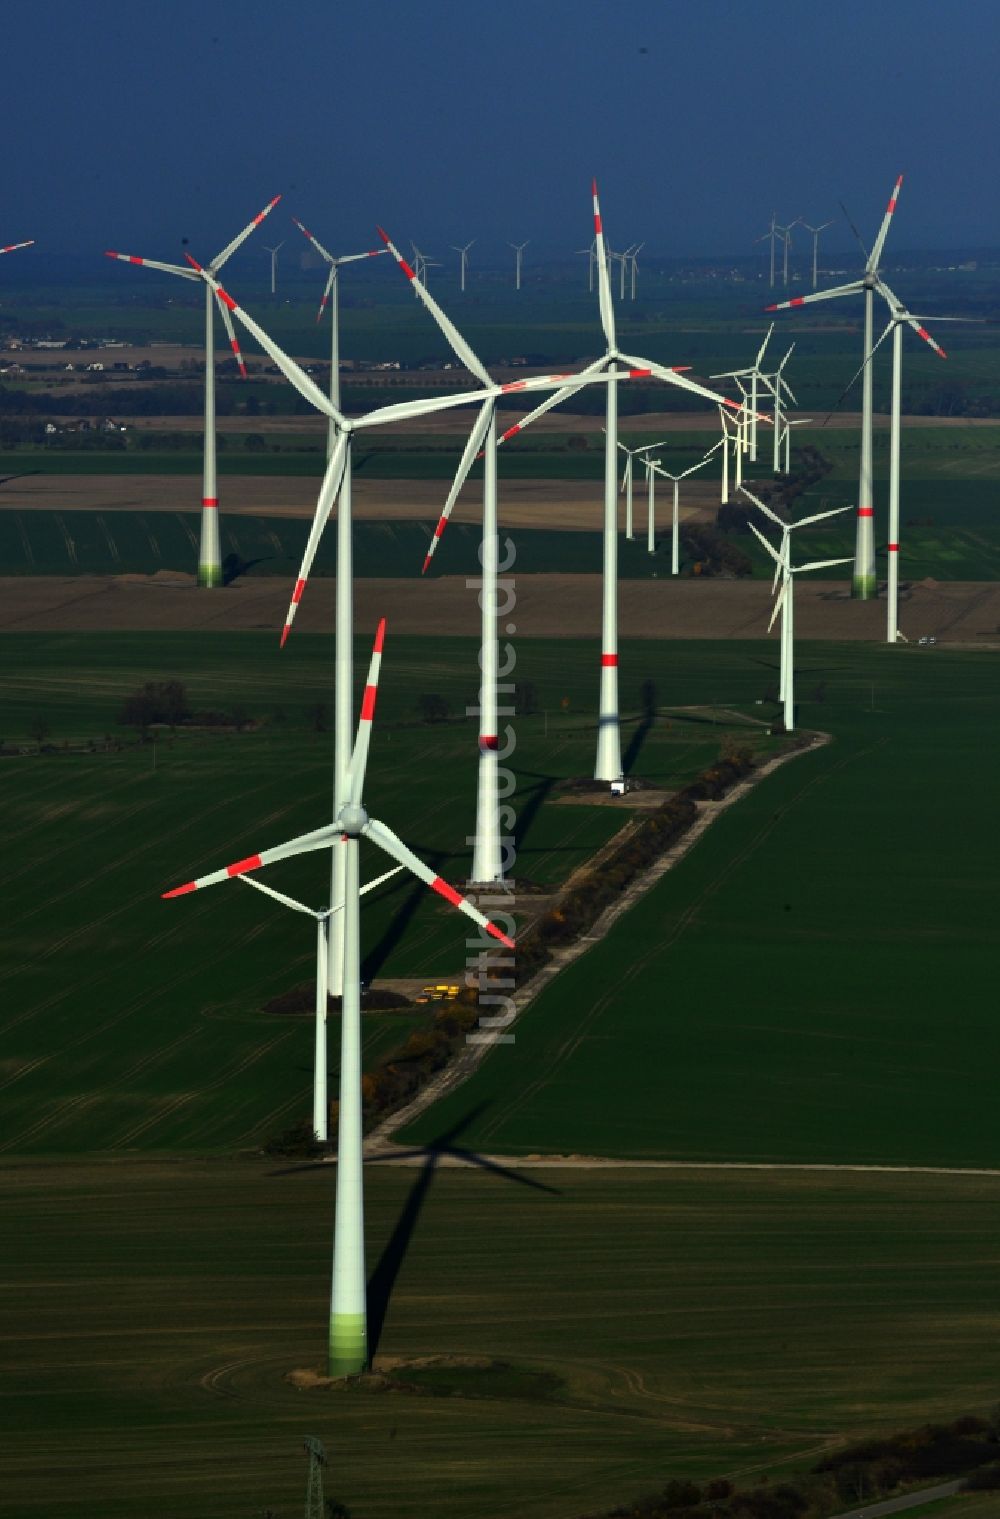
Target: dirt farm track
(547, 606)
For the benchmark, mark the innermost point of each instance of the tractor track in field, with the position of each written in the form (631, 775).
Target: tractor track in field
(379, 1143)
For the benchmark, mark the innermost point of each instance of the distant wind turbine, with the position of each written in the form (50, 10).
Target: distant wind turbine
(518, 260)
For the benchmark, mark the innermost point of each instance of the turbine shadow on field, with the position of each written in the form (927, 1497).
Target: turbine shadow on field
(383, 1279)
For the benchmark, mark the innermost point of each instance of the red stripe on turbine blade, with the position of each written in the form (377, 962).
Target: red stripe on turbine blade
(866, 511)
(444, 890)
(193, 262)
(797, 300)
(110, 253)
(513, 385)
(772, 308)
(368, 704)
(379, 636)
(240, 868)
(597, 223)
(426, 565)
(374, 252)
(442, 524)
(284, 635)
(636, 374)
(489, 741)
(735, 405)
(227, 299)
(609, 659)
(180, 891)
(491, 928)
(133, 259)
(410, 275)
(300, 586)
(510, 432)
(593, 188)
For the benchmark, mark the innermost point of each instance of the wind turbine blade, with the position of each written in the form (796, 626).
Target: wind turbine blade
(319, 838)
(859, 372)
(227, 322)
(241, 237)
(872, 265)
(455, 339)
(469, 455)
(779, 602)
(819, 516)
(296, 376)
(314, 240)
(402, 410)
(769, 546)
(149, 263)
(13, 247)
(603, 278)
(555, 400)
(355, 779)
(855, 288)
(384, 837)
(819, 564)
(386, 875)
(673, 377)
(760, 351)
(763, 507)
(279, 896)
(324, 505)
(324, 298)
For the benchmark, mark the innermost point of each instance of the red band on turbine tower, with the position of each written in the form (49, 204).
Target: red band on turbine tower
(866, 511)
(488, 741)
(609, 660)
(894, 548)
(209, 500)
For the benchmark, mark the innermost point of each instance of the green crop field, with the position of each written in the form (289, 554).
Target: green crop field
(815, 982)
(131, 1022)
(677, 1324)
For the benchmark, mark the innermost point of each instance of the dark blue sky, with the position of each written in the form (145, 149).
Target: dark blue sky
(131, 125)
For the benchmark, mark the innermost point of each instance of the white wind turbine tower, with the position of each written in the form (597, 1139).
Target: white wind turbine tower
(488, 856)
(323, 917)
(732, 437)
(463, 255)
(608, 765)
(675, 531)
(518, 260)
(633, 258)
(274, 265)
(786, 603)
(815, 237)
(348, 1341)
(591, 261)
(209, 553)
(336, 481)
(343, 724)
(786, 237)
(898, 319)
(864, 582)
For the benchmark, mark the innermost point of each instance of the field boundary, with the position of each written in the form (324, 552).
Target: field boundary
(379, 1143)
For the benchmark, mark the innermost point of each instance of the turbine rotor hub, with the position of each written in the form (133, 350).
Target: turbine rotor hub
(352, 820)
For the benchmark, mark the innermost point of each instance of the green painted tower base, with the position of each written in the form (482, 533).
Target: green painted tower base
(864, 587)
(348, 1344)
(209, 574)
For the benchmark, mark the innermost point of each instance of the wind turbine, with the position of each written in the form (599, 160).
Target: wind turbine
(608, 764)
(675, 544)
(630, 454)
(463, 255)
(776, 383)
(348, 1342)
(785, 601)
(323, 916)
(899, 318)
(815, 237)
(209, 553)
(337, 477)
(488, 857)
(786, 237)
(343, 724)
(633, 258)
(755, 376)
(274, 265)
(518, 260)
(864, 582)
(772, 235)
(591, 260)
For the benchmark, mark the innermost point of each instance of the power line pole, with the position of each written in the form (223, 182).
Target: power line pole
(314, 1488)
